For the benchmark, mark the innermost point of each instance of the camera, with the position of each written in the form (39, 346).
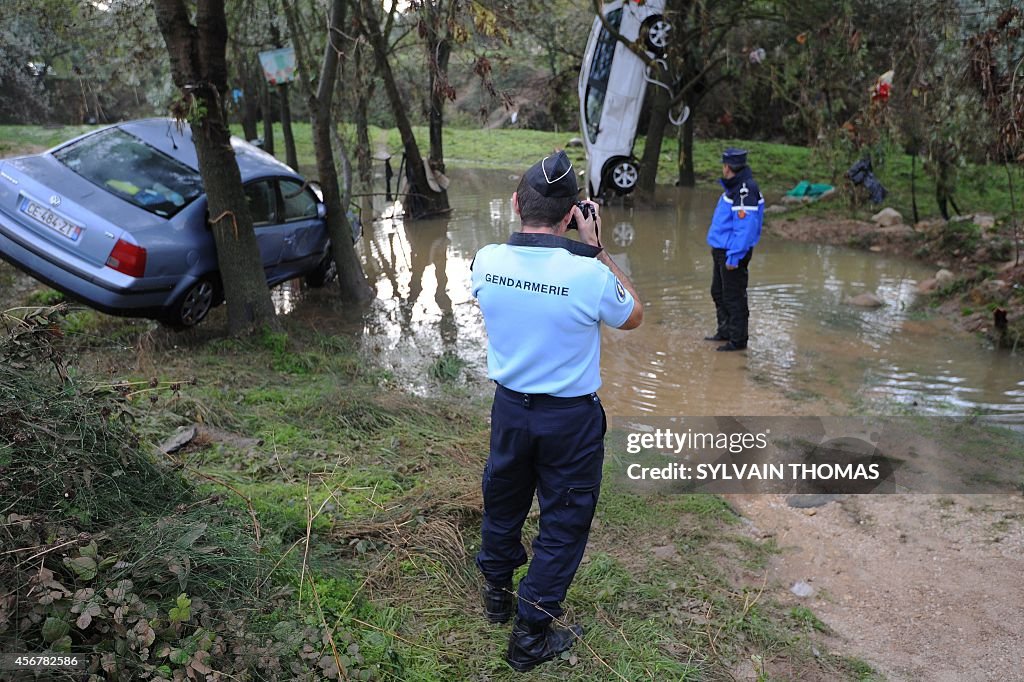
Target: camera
(586, 209)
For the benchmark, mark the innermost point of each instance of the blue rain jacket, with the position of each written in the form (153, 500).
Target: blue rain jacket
(736, 223)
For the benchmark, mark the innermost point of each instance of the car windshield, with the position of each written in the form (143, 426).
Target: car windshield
(130, 169)
(600, 69)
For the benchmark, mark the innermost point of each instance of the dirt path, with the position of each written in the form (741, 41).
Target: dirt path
(923, 587)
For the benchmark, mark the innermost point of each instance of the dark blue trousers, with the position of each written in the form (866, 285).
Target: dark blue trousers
(553, 447)
(729, 292)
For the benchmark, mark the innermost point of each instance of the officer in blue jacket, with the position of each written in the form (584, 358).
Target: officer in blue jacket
(735, 229)
(544, 298)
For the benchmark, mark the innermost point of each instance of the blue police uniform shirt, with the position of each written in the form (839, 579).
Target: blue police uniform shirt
(736, 222)
(543, 306)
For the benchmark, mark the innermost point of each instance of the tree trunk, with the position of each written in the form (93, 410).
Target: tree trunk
(291, 156)
(660, 101)
(352, 281)
(199, 68)
(250, 98)
(364, 153)
(687, 178)
(420, 201)
(441, 50)
(268, 113)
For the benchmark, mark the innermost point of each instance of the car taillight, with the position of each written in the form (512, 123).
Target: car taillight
(127, 258)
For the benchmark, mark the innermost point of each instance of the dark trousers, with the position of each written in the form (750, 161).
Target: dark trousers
(729, 292)
(553, 447)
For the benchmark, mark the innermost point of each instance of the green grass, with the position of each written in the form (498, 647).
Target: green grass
(387, 486)
(778, 167)
(18, 139)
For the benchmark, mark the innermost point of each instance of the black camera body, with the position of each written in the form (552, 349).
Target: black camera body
(586, 209)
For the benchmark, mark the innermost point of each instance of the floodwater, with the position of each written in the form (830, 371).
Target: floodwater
(809, 352)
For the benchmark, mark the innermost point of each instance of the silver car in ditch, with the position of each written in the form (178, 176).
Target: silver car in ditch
(117, 219)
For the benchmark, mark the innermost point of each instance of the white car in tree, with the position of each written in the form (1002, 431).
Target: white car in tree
(613, 81)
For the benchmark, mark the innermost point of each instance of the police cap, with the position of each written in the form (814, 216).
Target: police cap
(734, 157)
(552, 176)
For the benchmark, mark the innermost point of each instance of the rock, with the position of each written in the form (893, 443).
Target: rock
(574, 142)
(866, 300)
(944, 277)
(996, 286)
(776, 208)
(183, 437)
(887, 217)
(802, 589)
(665, 552)
(984, 220)
(927, 286)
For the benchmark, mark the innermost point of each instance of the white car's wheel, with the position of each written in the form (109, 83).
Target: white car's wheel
(656, 31)
(623, 176)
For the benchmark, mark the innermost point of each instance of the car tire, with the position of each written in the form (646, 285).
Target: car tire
(622, 176)
(656, 31)
(194, 305)
(325, 272)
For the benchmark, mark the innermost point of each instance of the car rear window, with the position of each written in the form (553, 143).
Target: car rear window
(130, 169)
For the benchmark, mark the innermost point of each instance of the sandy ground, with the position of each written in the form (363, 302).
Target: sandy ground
(923, 587)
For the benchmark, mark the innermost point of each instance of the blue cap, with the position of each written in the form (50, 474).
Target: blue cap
(552, 176)
(734, 157)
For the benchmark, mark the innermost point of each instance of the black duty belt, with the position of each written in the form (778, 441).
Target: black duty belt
(532, 399)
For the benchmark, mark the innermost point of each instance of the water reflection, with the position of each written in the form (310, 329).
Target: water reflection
(809, 349)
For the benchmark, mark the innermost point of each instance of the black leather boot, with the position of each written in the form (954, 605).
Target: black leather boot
(529, 645)
(499, 602)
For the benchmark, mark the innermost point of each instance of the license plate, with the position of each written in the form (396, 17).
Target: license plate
(53, 221)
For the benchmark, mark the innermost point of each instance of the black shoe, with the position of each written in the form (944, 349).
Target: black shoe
(499, 602)
(716, 337)
(529, 645)
(732, 346)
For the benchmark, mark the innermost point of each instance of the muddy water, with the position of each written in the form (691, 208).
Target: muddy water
(810, 353)
(809, 350)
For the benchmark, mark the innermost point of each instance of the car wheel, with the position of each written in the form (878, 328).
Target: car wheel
(623, 175)
(656, 32)
(193, 306)
(325, 272)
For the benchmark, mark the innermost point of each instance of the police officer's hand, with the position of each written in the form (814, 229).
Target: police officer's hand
(589, 228)
(730, 267)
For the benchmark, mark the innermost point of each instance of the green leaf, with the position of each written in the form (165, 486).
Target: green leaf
(54, 629)
(179, 657)
(90, 550)
(193, 534)
(85, 567)
(62, 645)
(182, 611)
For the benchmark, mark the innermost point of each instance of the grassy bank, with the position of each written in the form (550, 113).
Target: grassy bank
(350, 512)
